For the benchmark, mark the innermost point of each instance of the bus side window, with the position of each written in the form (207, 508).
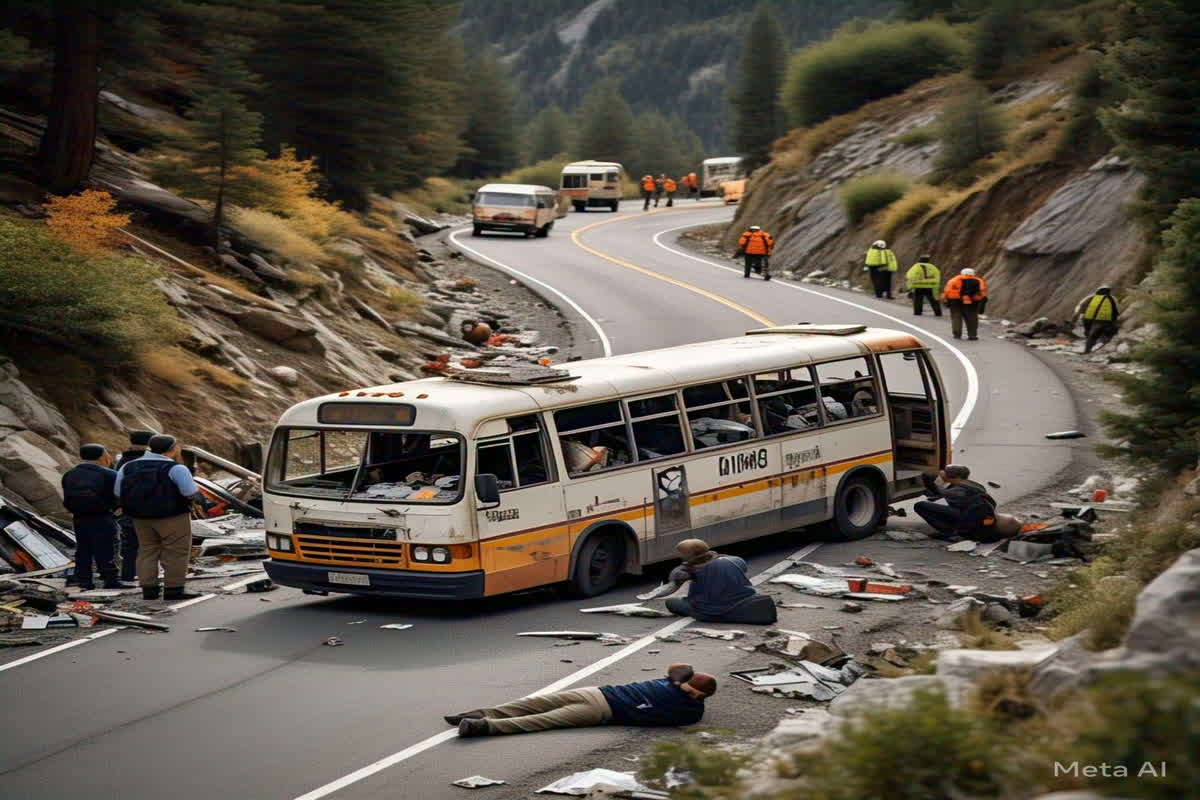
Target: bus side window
(657, 432)
(787, 401)
(719, 413)
(848, 389)
(518, 460)
(593, 437)
(495, 457)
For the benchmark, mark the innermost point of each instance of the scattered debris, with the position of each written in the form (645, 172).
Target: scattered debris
(965, 546)
(357, 622)
(221, 628)
(993, 484)
(562, 634)
(627, 610)
(668, 637)
(863, 561)
(805, 680)
(822, 587)
(905, 536)
(800, 605)
(864, 586)
(653, 652)
(1066, 435)
(476, 781)
(831, 627)
(712, 633)
(886, 569)
(581, 784)
(851, 607)
(264, 585)
(333, 641)
(396, 626)
(957, 615)
(567, 660)
(129, 618)
(612, 639)
(27, 541)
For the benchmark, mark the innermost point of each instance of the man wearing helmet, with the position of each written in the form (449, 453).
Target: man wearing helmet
(755, 245)
(966, 296)
(881, 263)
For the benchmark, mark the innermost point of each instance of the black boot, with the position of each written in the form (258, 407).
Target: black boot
(474, 727)
(177, 593)
(149, 592)
(113, 583)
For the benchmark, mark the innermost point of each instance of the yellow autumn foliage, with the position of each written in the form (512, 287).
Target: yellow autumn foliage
(87, 221)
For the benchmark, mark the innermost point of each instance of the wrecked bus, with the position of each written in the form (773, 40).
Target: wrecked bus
(492, 480)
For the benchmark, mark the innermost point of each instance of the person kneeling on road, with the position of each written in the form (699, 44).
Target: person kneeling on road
(720, 590)
(969, 511)
(675, 700)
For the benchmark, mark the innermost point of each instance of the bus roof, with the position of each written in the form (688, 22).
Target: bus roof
(514, 188)
(723, 160)
(586, 165)
(445, 404)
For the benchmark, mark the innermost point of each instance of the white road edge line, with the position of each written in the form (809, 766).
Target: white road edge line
(627, 650)
(604, 342)
(191, 602)
(969, 402)
(229, 587)
(89, 638)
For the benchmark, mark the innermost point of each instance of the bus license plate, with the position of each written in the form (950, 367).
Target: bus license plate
(351, 578)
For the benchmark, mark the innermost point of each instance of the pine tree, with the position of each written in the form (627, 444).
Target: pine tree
(605, 124)
(64, 156)
(1164, 429)
(971, 127)
(1158, 126)
(759, 117)
(1002, 38)
(548, 134)
(228, 132)
(491, 137)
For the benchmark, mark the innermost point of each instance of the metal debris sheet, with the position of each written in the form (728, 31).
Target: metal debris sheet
(476, 781)
(627, 610)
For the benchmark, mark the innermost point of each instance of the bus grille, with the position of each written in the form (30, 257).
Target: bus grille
(350, 552)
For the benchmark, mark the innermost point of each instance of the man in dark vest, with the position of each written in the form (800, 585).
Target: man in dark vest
(88, 495)
(969, 511)
(158, 492)
(129, 543)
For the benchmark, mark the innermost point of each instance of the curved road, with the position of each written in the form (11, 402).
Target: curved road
(269, 712)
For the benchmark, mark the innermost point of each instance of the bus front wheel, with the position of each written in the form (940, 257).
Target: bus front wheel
(599, 566)
(858, 510)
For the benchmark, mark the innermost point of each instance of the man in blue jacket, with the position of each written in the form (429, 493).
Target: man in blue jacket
(720, 591)
(675, 700)
(88, 495)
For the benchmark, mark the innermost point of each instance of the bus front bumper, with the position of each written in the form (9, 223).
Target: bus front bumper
(379, 582)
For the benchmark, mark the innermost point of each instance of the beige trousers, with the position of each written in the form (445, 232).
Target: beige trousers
(578, 708)
(166, 541)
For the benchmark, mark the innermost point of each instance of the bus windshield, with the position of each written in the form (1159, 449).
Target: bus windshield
(505, 199)
(366, 466)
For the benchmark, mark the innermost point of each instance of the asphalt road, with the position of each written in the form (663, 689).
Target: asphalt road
(271, 712)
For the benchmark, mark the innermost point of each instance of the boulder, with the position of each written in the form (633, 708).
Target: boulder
(971, 665)
(32, 467)
(238, 268)
(290, 332)
(285, 375)
(22, 409)
(954, 616)
(266, 269)
(882, 693)
(1167, 619)
(791, 731)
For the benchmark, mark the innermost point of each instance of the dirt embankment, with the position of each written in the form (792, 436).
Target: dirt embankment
(1042, 224)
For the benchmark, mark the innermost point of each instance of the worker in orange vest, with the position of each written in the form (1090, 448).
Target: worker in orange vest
(658, 188)
(647, 191)
(966, 295)
(692, 184)
(755, 245)
(670, 187)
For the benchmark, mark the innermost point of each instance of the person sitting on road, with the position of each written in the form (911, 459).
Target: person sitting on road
(676, 700)
(719, 592)
(969, 511)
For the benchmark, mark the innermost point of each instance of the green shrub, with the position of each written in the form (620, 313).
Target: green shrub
(916, 203)
(847, 71)
(869, 193)
(971, 127)
(707, 766)
(104, 306)
(543, 173)
(915, 137)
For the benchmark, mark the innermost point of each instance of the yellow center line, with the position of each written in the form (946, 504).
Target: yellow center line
(725, 301)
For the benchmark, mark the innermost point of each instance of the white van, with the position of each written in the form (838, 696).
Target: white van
(593, 183)
(520, 207)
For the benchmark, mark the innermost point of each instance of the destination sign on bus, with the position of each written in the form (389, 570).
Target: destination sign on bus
(366, 414)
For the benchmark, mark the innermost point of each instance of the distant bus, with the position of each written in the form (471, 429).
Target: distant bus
(716, 171)
(501, 479)
(518, 207)
(593, 183)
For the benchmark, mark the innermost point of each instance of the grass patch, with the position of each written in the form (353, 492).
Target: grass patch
(918, 136)
(915, 204)
(869, 193)
(1005, 694)
(404, 302)
(101, 304)
(707, 766)
(183, 370)
(883, 60)
(439, 196)
(278, 235)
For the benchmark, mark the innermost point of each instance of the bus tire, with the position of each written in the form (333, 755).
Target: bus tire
(859, 508)
(544, 231)
(599, 565)
(476, 230)
(614, 205)
(579, 206)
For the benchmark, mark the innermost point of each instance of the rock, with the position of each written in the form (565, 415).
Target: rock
(872, 695)
(1091, 484)
(476, 332)
(266, 269)
(953, 617)
(1031, 329)
(812, 724)
(285, 375)
(851, 607)
(998, 614)
(971, 665)
(33, 412)
(235, 266)
(32, 467)
(290, 332)
(1167, 619)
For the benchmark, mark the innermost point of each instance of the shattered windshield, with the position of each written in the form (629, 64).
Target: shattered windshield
(366, 466)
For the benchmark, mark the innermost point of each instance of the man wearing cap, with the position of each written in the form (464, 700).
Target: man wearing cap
(924, 280)
(158, 492)
(1100, 314)
(677, 699)
(88, 494)
(719, 589)
(129, 543)
(966, 295)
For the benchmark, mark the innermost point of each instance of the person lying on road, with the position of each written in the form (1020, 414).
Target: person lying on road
(720, 590)
(675, 700)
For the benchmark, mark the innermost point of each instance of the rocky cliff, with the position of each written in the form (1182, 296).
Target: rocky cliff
(1042, 226)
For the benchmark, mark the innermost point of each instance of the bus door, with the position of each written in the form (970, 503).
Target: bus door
(855, 429)
(787, 410)
(915, 407)
(672, 500)
(524, 541)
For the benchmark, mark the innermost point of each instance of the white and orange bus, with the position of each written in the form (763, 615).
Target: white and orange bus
(593, 183)
(491, 481)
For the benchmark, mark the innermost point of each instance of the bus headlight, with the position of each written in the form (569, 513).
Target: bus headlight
(420, 553)
(441, 555)
(281, 542)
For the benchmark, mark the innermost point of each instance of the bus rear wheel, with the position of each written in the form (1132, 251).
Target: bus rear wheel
(544, 231)
(614, 205)
(579, 206)
(858, 510)
(599, 565)
(476, 230)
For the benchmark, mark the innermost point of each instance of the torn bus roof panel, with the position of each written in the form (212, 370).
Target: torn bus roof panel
(32, 543)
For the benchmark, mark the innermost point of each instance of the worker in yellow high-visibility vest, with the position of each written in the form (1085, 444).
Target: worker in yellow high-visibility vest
(1100, 313)
(924, 283)
(881, 263)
